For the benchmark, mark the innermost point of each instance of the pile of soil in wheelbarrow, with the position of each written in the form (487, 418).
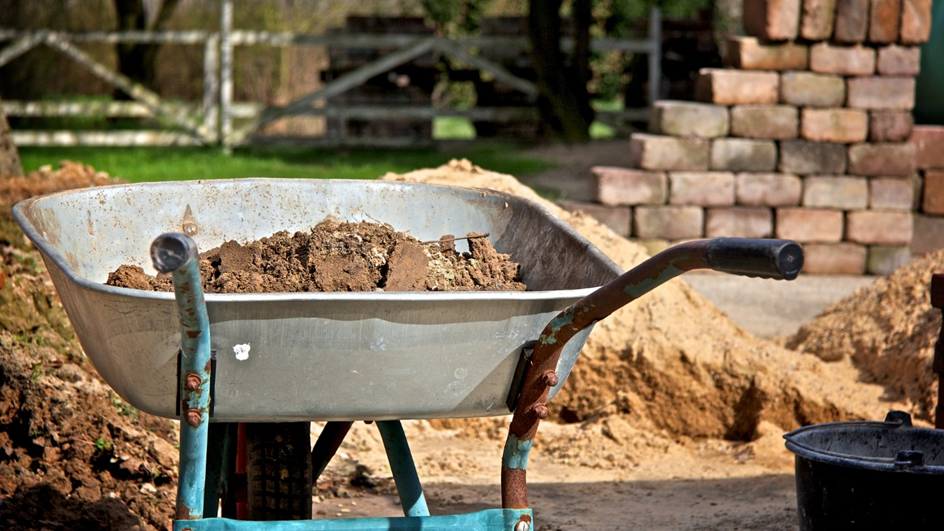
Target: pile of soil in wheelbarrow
(888, 330)
(344, 256)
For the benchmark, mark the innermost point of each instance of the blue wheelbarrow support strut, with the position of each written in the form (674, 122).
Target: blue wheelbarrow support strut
(177, 254)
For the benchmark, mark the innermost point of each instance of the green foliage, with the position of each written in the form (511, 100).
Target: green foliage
(124, 409)
(103, 445)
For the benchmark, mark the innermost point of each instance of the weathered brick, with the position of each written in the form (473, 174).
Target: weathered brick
(852, 21)
(834, 259)
(856, 60)
(816, 19)
(885, 259)
(618, 219)
(711, 188)
(772, 20)
(741, 154)
(843, 193)
(739, 222)
(886, 159)
(932, 199)
(843, 126)
(881, 93)
(915, 21)
(685, 118)
(623, 186)
(886, 193)
(770, 122)
(881, 227)
(767, 189)
(929, 146)
(928, 234)
(809, 225)
(737, 87)
(748, 53)
(656, 152)
(890, 126)
(812, 158)
(884, 21)
(806, 89)
(668, 222)
(894, 60)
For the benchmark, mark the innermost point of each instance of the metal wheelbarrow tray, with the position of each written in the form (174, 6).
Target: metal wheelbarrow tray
(312, 356)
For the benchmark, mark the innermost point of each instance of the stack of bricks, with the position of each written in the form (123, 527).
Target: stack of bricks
(803, 135)
(929, 221)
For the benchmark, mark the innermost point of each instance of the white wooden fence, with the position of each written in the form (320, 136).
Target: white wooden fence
(213, 121)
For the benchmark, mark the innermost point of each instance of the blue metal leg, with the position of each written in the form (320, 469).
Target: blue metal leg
(177, 254)
(404, 470)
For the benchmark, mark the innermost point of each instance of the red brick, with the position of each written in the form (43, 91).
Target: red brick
(886, 193)
(739, 222)
(622, 186)
(742, 154)
(897, 60)
(843, 126)
(886, 159)
(932, 201)
(686, 118)
(929, 146)
(885, 259)
(769, 122)
(856, 60)
(656, 152)
(852, 21)
(748, 53)
(767, 189)
(879, 227)
(890, 126)
(817, 18)
(803, 157)
(618, 219)
(915, 21)
(668, 222)
(881, 93)
(772, 20)
(807, 89)
(712, 188)
(809, 225)
(884, 21)
(834, 259)
(737, 87)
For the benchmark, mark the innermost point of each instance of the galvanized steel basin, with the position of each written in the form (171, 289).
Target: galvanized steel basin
(311, 356)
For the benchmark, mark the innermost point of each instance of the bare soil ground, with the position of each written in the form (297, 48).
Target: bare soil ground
(672, 418)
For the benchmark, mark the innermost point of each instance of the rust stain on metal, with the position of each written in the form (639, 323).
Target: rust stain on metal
(193, 334)
(192, 382)
(184, 513)
(550, 379)
(193, 417)
(514, 483)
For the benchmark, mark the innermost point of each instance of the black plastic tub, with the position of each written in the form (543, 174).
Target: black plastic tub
(869, 475)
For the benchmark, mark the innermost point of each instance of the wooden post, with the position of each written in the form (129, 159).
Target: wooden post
(9, 156)
(655, 54)
(211, 88)
(226, 75)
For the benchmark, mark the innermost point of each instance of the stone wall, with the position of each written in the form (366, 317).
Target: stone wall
(805, 134)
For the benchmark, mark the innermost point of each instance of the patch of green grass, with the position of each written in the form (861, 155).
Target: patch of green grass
(174, 164)
(453, 128)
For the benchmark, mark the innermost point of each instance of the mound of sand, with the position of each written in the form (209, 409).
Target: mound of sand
(888, 331)
(673, 363)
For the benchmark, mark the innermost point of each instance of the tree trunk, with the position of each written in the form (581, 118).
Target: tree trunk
(563, 101)
(136, 60)
(9, 157)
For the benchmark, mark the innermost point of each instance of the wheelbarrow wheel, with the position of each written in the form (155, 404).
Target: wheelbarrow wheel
(278, 472)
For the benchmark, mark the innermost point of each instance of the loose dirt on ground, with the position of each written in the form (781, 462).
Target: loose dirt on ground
(343, 256)
(672, 418)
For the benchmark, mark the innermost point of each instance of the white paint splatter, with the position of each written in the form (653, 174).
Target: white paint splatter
(242, 352)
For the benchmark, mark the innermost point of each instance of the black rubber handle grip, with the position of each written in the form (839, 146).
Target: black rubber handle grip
(776, 259)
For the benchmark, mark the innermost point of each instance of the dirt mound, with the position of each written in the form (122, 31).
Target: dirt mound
(672, 362)
(888, 331)
(342, 256)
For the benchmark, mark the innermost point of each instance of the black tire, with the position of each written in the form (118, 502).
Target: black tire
(278, 471)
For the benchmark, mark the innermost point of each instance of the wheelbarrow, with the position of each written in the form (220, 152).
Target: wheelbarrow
(246, 373)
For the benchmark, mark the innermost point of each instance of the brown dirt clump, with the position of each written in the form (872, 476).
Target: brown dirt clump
(341, 256)
(888, 331)
(672, 363)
